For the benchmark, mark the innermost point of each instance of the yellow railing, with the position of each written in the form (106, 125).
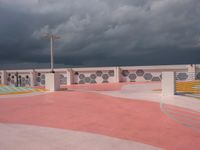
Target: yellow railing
(192, 87)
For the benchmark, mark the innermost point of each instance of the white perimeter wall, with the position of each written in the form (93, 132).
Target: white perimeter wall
(36, 77)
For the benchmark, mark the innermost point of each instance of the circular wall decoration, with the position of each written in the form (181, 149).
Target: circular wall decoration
(132, 76)
(140, 72)
(81, 76)
(148, 76)
(93, 76)
(99, 73)
(87, 79)
(105, 76)
(182, 76)
(111, 73)
(125, 73)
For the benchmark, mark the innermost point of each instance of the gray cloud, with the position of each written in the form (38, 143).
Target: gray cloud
(100, 32)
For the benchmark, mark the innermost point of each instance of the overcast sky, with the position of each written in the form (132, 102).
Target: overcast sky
(99, 32)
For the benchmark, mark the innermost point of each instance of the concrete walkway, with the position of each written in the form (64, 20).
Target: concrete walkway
(107, 119)
(184, 110)
(23, 137)
(148, 92)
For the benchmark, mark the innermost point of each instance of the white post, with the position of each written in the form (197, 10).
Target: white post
(52, 81)
(191, 68)
(168, 83)
(32, 78)
(117, 74)
(69, 76)
(191, 72)
(3, 77)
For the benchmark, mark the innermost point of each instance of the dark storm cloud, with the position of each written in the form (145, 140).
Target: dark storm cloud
(100, 32)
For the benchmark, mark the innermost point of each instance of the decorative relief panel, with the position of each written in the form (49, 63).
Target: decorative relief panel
(93, 77)
(63, 78)
(187, 76)
(21, 79)
(40, 78)
(140, 75)
(198, 76)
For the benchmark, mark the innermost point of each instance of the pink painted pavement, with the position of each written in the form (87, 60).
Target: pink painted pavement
(139, 121)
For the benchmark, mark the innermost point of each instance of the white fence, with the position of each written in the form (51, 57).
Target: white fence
(36, 77)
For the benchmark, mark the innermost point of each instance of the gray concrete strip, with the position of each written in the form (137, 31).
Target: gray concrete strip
(146, 92)
(24, 137)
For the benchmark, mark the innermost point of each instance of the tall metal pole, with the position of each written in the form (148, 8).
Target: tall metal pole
(52, 38)
(52, 54)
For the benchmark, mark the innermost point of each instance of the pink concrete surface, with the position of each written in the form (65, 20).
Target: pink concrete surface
(103, 87)
(98, 87)
(139, 121)
(184, 116)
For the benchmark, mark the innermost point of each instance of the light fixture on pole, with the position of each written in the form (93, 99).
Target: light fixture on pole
(52, 37)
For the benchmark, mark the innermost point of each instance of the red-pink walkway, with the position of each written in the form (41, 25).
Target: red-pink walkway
(140, 121)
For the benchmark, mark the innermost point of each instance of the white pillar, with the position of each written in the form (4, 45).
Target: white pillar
(191, 68)
(52, 81)
(117, 74)
(3, 77)
(168, 83)
(69, 76)
(32, 78)
(191, 72)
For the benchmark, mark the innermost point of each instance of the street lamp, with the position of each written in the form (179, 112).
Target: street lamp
(52, 37)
